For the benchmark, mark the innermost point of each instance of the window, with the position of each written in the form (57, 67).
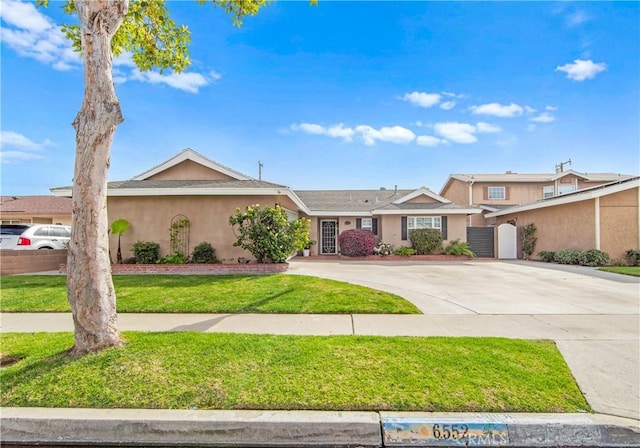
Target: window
(367, 224)
(496, 192)
(564, 189)
(547, 191)
(423, 222)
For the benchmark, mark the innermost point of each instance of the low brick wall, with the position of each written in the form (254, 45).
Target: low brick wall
(211, 269)
(26, 261)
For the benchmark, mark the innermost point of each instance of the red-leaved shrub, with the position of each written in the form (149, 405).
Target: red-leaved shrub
(356, 243)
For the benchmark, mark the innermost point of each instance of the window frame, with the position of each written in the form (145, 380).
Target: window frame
(548, 191)
(494, 188)
(412, 224)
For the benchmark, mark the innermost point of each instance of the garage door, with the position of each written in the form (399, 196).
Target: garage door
(480, 241)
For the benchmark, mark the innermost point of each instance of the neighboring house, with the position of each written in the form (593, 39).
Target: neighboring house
(495, 192)
(35, 210)
(208, 193)
(604, 217)
(390, 214)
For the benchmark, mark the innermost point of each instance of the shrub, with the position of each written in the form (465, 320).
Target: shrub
(404, 251)
(268, 234)
(593, 257)
(547, 256)
(383, 249)
(633, 257)
(567, 256)
(529, 239)
(426, 241)
(175, 258)
(356, 243)
(146, 252)
(459, 248)
(204, 253)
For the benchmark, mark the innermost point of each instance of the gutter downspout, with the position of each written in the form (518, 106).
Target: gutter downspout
(597, 222)
(471, 200)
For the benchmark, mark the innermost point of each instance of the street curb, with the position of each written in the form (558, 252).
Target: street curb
(168, 428)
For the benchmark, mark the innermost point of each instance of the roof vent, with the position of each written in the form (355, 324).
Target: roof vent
(510, 172)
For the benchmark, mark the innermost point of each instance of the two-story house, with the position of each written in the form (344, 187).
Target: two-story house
(494, 192)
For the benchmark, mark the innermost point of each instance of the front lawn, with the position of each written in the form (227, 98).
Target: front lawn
(209, 294)
(626, 270)
(237, 371)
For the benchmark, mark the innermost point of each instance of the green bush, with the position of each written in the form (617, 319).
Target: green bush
(204, 253)
(146, 252)
(567, 256)
(426, 241)
(593, 257)
(175, 258)
(547, 256)
(268, 234)
(459, 248)
(633, 257)
(529, 239)
(404, 251)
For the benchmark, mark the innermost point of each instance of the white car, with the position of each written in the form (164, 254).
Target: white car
(44, 236)
(9, 234)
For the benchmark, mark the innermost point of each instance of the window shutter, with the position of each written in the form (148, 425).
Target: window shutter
(404, 228)
(358, 223)
(374, 226)
(485, 193)
(443, 223)
(506, 193)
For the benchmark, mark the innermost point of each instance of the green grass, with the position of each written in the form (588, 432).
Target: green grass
(209, 294)
(626, 270)
(223, 371)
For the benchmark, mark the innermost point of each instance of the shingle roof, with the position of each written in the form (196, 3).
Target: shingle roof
(538, 177)
(349, 200)
(192, 184)
(44, 205)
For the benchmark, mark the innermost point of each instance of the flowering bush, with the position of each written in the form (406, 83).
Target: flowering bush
(356, 243)
(383, 249)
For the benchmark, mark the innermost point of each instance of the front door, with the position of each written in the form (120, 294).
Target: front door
(328, 237)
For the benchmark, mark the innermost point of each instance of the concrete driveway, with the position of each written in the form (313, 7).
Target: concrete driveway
(593, 317)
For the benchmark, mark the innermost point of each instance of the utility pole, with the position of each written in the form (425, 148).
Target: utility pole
(560, 166)
(260, 165)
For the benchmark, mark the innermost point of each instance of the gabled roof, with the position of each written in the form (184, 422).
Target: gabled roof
(190, 154)
(575, 196)
(377, 202)
(35, 205)
(533, 177)
(422, 191)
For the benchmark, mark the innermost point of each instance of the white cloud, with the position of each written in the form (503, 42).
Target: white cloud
(582, 69)
(498, 110)
(422, 99)
(577, 18)
(428, 140)
(456, 132)
(370, 135)
(16, 140)
(551, 108)
(487, 128)
(544, 117)
(32, 34)
(21, 147)
(448, 105)
(393, 134)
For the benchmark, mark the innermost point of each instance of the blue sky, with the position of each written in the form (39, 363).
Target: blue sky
(344, 94)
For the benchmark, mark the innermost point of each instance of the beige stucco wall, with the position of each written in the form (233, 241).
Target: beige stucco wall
(151, 216)
(457, 191)
(189, 170)
(573, 225)
(64, 220)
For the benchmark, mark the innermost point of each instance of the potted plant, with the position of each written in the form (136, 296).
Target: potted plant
(307, 247)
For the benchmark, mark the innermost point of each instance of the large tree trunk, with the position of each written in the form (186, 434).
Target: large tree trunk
(89, 285)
